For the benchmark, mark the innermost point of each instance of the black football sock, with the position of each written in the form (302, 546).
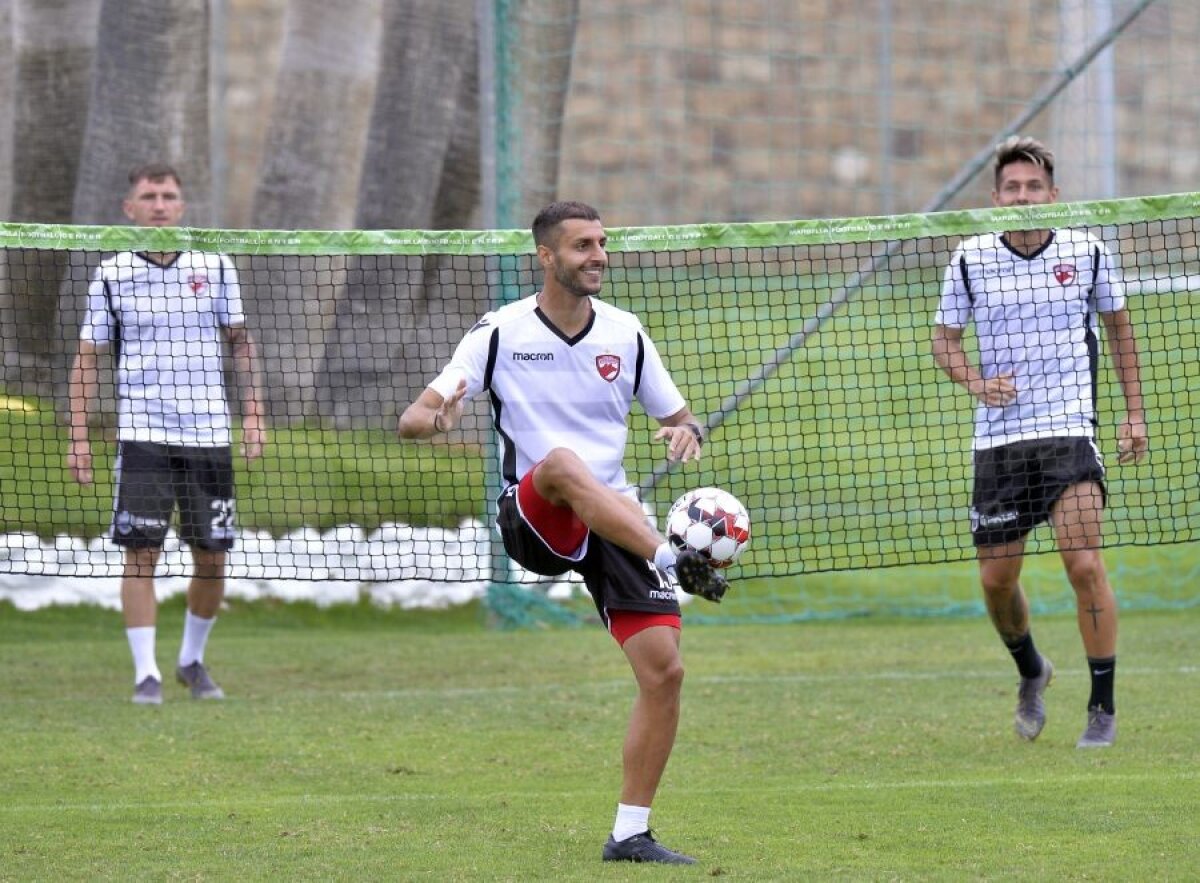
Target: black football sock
(1025, 655)
(1103, 675)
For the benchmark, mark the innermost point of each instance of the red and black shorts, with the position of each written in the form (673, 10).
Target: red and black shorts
(551, 540)
(152, 480)
(1017, 485)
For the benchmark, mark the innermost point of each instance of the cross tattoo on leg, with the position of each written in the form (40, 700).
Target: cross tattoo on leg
(1095, 612)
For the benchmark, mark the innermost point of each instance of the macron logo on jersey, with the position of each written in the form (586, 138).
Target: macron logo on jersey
(533, 357)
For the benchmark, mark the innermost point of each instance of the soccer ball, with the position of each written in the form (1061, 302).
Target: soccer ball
(710, 521)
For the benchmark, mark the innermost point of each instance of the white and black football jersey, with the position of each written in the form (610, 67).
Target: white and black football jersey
(1035, 318)
(164, 324)
(548, 391)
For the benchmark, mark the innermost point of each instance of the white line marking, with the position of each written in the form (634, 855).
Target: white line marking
(238, 803)
(692, 680)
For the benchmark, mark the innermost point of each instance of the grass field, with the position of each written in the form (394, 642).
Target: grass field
(359, 744)
(847, 744)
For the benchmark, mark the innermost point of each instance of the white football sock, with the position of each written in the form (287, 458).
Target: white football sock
(141, 645)
(195, 636)
(664, 558)
(630, 820)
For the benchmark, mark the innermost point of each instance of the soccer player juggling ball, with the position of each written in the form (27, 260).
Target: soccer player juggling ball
(562, 368)
(1034, 296)
(166, 316)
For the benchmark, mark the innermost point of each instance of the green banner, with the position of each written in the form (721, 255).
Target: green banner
(621, 239)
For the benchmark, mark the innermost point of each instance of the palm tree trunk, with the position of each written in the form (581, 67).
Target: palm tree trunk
(313, 153)
(149, 102)
(53, 44)
(7, 99)
(309, 181)
(398, 317)
(52, 48)
(428, 49)
(545, 43)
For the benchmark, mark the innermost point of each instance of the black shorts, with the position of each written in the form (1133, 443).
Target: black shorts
(1017, 485)
(617, 579)
(153, 479)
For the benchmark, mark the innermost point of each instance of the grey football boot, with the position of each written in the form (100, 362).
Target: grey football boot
(1031, 710)
(148, 691)
(1101, 730)
(196, 678)
(643, 848)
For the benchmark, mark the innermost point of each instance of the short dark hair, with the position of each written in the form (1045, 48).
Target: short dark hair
(1021, 148)
(547, 220)
(153, 171)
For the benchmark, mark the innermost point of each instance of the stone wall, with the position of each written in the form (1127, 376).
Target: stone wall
(729, 110)
(733, 110)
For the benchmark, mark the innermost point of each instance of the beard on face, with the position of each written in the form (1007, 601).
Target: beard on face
(570, 280)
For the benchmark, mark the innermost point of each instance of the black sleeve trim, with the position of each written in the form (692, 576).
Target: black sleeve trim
(493, 349)
(115, 339)
(639, 363)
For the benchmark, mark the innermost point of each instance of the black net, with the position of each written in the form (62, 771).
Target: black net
(806, 350)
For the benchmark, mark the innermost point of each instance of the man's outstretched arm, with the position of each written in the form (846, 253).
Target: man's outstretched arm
(431, 414)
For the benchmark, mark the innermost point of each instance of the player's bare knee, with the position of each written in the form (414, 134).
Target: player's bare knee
(561, 468)
(674, 675)
(141, 563)
(658, 673)
(998, 587)
(1000, 578)
(563, 460)
(663, 681)
(208, 564)
(1085, 574)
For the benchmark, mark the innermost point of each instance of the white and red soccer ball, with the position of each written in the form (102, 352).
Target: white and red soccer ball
(710, 521)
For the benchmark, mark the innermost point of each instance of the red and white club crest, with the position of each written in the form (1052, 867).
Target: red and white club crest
(197, 282)
(1064, 273)
(609, 367)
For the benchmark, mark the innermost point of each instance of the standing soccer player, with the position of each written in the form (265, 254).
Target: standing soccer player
(1034, 296)
(562, 369)
(165, 316)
